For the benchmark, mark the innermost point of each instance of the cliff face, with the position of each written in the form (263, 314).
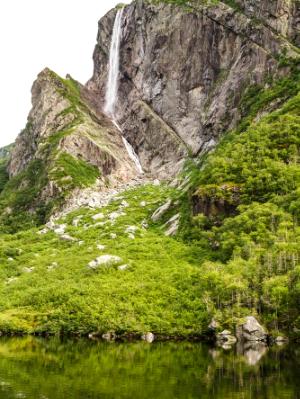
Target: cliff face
(60, 116)
(280, 15)
(65, 146)
(183, 74)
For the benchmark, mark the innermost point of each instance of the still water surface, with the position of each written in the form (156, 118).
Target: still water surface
(53, 369)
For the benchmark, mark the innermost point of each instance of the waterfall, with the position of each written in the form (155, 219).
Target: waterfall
(113, 67)
(130, 150)
(111, 95)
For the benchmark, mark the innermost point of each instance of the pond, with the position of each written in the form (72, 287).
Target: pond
(39, 368)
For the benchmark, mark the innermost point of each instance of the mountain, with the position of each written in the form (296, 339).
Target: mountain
(168, 199)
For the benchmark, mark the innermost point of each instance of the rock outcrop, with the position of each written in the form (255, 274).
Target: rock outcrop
(65, 147)
(251, 330)
(168, 107)
(280, 15)
(60, 117)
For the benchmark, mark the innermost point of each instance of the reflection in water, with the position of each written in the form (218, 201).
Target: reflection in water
(252, 351)
(72, 369)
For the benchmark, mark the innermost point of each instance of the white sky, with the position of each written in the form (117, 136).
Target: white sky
(59, 34)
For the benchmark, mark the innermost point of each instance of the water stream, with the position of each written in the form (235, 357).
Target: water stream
(111, 96)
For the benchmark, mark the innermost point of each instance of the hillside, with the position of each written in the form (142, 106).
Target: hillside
(208, 104)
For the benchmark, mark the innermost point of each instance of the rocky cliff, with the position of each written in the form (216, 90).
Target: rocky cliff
(65, 145)
(184, 72)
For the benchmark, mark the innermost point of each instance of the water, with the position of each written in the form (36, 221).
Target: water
(113, 67)
(52, 369)
(111, 96)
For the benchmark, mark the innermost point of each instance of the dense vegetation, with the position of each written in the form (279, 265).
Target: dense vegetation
(47, 286)
(247, 196)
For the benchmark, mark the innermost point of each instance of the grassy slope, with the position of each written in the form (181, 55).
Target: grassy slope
(159, 291)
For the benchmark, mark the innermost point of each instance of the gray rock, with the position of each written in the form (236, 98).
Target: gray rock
(104, 260)
(60, 229)
(226, 337)
(280, 340)
(172, 225)
(28, 269)
(213, 325)
(148, 337)
(169, 108)
(109, 336)
(67, 237)
(123, 267)
(251, 330)
(98, 216)
(161, 211)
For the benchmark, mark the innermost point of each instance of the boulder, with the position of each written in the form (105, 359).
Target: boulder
(98, 216)
(251, 330)
(226, 337)
(104, 260)
(123, 267)
(172, 225)
(161, 211)
(109, 336)
(148, 337)
(67, 237)
(213, 325)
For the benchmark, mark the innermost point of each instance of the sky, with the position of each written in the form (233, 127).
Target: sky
(59, 34)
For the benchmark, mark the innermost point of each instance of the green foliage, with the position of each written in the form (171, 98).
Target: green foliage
(3, 174)
(70, 173)
(255, 252)
(258, 98)
(159, 291)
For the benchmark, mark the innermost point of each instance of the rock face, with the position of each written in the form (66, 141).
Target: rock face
(60, 116)
(169, 107)
(251, 330)
(183, 74)
(281, 15)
